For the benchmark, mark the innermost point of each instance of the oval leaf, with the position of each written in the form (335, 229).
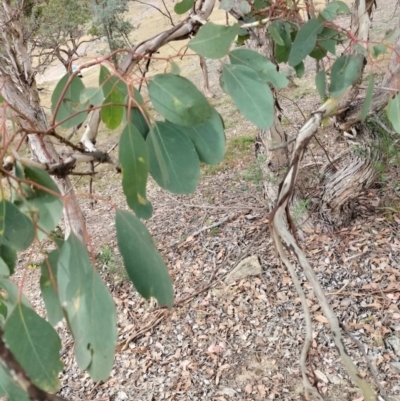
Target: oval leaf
(320, 83)
(345, 71)
(89, 307)
(143, 263)
(10, 389)
(209, 139)
(93, 96)
(178, 100)
(18, 228)
(183, 6)
(333, 9)
(305, 41)
(138, 120)
(252, 96)
(112, 114)
(134, 160)
(174, 163)
(256, 61)
(70, 104)
(35, 345)
(214, 41)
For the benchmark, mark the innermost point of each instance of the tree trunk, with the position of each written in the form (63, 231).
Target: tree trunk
(357, 169)
(272, 162)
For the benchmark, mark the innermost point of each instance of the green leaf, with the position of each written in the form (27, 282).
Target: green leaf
(345, 71)
(138, 120)
(49, 289)
(10, 389)
(282, 51)
(394, 112)
(35, 345)
(45, 208)
(244, 7)
(89, 307)
(252, 96)
(70, 103)
(134, 160)
(377, 50)
(273, 31)
(318, 52)
(174, 163)
(266, 69)
(18, 228)
(143, 263)
(332, 10)
(109, 83)
(11, 295)
(208, 139)
(320, 83)
(112, 115)
(183, 6)
(305, 41)
(226, 5)
(214, 41)
(8, 259)
(92, 96)
(178, 100)
(1, 98)
(300, 69)
(328, 39)
(368, 98)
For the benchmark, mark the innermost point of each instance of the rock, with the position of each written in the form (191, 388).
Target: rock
(393, 342)
(247, 267)
(122, 396)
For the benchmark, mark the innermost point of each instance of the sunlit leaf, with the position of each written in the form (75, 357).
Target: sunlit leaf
(94, 96)
(143, 263)
(378, 49)
(345, 71)
(89, 307)
(112, 114)
(305, 41)
(35, 345)
(214, 41)
(174, 163)
(134, 160)
(244, 7)
(178, 100)
(368, 98)
(109, 83)
(252, 96)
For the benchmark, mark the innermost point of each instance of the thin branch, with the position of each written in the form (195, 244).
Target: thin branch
(159, 10)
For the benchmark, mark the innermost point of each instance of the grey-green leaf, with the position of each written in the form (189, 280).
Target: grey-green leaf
(333, 9)
(134, 160)
(305, 41)
(70, 103)
(112, 114)
(49, 288)
(368, 98)
(10, 389)
(143, 263)
(252, 96)
(18, 228)
(208, 139)
(89, 307)
(320, 83)
(174, 163)
(214, 41)
(345, 71)
(35, 345)
(183, 6)
(256, 61)
(394, 112)
(178, 100)
(46, 208)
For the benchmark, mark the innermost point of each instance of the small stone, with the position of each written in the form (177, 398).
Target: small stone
(247, 267)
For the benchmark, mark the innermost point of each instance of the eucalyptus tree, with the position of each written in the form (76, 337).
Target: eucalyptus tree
(169, 148)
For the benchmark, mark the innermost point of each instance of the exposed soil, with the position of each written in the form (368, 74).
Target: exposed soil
(241, 340)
